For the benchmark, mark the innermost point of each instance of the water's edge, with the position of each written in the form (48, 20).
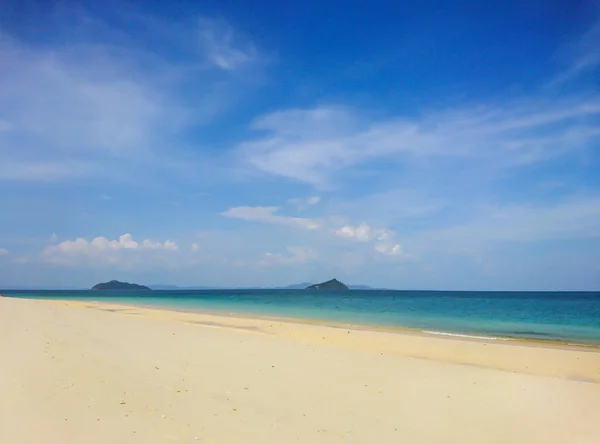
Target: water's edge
(567, 318)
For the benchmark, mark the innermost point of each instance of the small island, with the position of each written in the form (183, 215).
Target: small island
(116, 285)
(333, 284)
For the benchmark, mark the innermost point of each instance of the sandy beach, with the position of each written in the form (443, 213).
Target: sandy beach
(78, 372)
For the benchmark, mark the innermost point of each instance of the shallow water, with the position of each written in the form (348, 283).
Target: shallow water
(572, 317)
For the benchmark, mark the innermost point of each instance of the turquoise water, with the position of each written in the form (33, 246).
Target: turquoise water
(572, 317)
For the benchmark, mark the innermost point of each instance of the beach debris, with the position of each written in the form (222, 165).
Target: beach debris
(121, 402)
(235, 410)
(156, 368)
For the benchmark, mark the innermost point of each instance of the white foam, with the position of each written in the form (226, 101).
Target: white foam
(458, 335)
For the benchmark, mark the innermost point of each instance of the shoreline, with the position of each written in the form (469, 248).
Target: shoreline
(466, 336)
(442, 348)
(551, 343)
(98, 372)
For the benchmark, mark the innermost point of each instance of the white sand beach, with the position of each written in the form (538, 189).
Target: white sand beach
(78, 372)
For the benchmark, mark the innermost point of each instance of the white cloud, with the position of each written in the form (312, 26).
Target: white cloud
(75, 108)
(570, 219)
(311, 145)
(170, 245)
(195, 247)
(582, 55)
(363, 232)
(3, 251)
(224, 47)
(167, 245)
(383, 237)
(102, 249)
(47, 171)
(53, 238)
(303, 203)
(150, 245)
(125, 241)
(297, 255)
(388, 249)
(267, 215)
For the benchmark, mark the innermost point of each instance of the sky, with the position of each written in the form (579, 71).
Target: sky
(444, 145)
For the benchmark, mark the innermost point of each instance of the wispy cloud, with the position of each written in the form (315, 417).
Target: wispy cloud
(582, 56)
(79, 107)
(268, 215)
(223, 46)
(297, 255)
(312, 145)
(302, 203)
(383, 239)
(570, 219)
(47, 171)
(3, 251)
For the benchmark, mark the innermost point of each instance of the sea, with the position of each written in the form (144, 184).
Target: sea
(562, 317)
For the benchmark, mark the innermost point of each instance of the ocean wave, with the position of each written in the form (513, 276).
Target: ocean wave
(461, 335)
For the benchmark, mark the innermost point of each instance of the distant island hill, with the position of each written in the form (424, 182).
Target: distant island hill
(116, 285)
(332, 284)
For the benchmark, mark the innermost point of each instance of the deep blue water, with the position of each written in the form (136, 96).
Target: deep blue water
(572, 317)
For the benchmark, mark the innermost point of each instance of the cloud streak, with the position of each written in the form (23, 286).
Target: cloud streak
(223, 47)
(302, 203)
(571, 219)
(296, 255)
(582, 54)
(97, 105)
(313, 145)
(268, 215)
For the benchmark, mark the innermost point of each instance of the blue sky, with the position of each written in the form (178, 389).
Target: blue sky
(451, 145)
